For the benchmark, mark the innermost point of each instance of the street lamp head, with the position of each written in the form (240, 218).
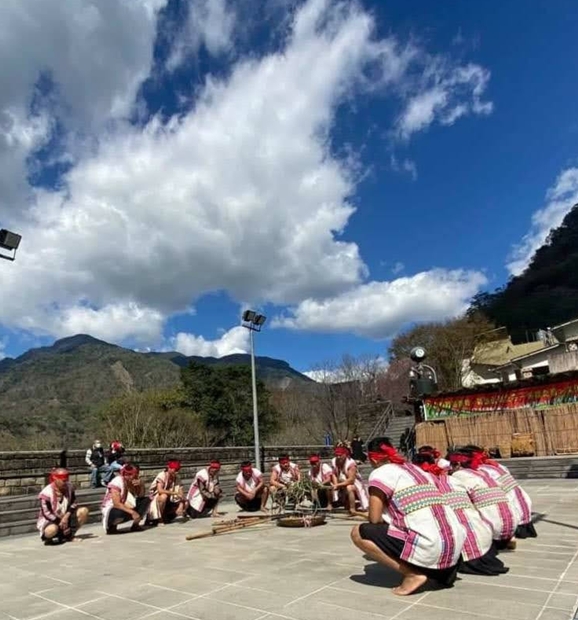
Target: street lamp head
(260, 319)
(249, 316)
(9, 241)
(418, 354)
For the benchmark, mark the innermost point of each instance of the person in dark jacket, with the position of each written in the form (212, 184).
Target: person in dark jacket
(95, 459)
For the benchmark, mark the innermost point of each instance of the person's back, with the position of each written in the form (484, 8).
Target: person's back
(417, 511)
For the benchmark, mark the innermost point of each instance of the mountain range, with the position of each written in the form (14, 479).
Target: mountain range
(59, 387)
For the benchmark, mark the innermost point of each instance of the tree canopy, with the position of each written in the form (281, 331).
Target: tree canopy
(546, 293)
(222, 396)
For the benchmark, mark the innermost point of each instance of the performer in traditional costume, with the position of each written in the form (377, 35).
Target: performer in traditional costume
(205, 492)
(124, 500)
(349, 484)
(167, 496)
(323, 480)
(520, 501)
(439, 460)
(59, 517)
(252, 492)
(479, 553)
(283, 475)
(410, 529)
(486, 495)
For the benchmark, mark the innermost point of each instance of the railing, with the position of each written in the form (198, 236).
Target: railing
(381, 425)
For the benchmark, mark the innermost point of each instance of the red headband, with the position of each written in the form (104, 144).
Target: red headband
(128, 470)
(386, 453)
(214, 465)
(458, 459)
(432, 468)
(483, 458)
(176, 465)
(341, 451)
(284, 460)
(314, 459)
(59, 474)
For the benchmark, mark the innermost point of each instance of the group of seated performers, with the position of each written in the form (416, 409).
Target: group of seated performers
(434, 517)
(427, 519)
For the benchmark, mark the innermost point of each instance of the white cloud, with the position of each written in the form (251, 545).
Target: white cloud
(209, 23)
(97, 53)
(240, 194)
(444, 93)
(236, 340)
(380, 309)
(2, 349)
(397, 268)
(560, 200)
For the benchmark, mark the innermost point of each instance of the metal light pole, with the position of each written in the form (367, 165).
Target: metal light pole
(9, 241)
(253, 322)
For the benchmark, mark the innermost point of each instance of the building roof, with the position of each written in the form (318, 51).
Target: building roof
(562, 325)
(501, 352)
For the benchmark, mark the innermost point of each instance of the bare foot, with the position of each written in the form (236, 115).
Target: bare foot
(512, 544)
(76, 539)
(410, 584)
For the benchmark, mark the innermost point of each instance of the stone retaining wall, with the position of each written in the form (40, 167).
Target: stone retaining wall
(26, 472)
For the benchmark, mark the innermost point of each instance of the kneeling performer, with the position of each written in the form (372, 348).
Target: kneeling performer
(252, 493)
(205, 492)
(323, 480)
(410, 529)
(124, 501)
(167, 497)
(59, 517)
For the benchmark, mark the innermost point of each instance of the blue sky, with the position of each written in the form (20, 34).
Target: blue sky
(347, 168)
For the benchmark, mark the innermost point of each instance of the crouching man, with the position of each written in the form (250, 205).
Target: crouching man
(252, 493)
(167, 496)
(59, 517)
(205, 492)
(124, 501)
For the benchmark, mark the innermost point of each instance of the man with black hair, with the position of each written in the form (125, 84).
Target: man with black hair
(252, 492)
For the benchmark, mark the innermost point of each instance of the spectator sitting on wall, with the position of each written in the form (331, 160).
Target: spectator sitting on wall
(115, 459)
(95, 459)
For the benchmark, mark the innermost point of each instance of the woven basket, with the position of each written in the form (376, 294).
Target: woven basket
(301, 521)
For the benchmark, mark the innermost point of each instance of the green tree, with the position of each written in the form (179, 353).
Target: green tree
(546, 293)
(152, 419)
(222, 397)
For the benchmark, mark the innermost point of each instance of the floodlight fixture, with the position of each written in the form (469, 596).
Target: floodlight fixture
(249, 316)
(418, 354)
(9, 241)
(260, 320)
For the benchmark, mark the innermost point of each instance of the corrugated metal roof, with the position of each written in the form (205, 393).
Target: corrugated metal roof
(500, 352)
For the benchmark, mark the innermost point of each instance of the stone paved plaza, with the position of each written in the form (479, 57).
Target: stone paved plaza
(272, 573)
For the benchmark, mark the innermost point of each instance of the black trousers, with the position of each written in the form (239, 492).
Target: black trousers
(116, 514)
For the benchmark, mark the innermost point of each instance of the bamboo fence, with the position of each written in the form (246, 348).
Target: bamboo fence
(512, 432)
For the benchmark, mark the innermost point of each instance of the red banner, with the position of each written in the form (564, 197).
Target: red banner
(535, 396)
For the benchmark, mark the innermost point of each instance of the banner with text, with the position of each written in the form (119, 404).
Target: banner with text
(537, 397)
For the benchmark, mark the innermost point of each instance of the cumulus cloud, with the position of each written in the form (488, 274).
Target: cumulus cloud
(97, 53)
(561, 197)
(240, 194)
(236, 340)
(380, 309)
